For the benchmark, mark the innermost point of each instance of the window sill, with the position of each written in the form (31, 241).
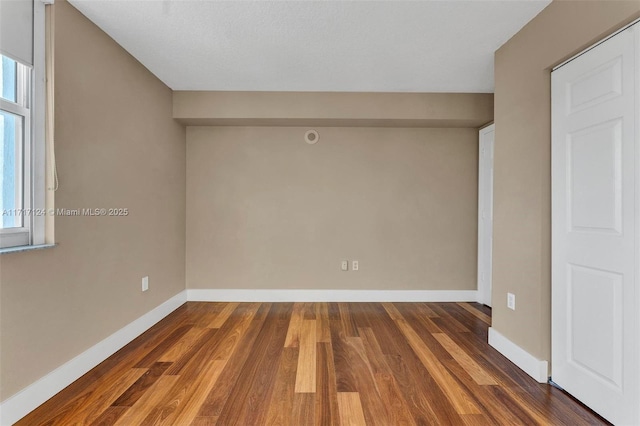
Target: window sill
(25, 248)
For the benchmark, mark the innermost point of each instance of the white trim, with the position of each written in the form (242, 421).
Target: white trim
(14, 237)
(28, 399)
(297, 295)
(20, 249)
(485, 206)
(37, 141)
(577, 55)
(531, 365)
(15, 108)
(484, 126)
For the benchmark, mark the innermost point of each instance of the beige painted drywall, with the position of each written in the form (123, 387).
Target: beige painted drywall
(522, 188)
(333, 109)
(117, 146)
(267, 210)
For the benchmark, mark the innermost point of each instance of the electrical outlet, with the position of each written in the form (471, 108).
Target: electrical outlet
(511, 301)
(344, 265)
(354, 265)
(145, 283)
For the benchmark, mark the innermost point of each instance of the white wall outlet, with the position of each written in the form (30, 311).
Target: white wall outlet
(511, 301)
(145, 283)
(354, 265)
(344, 265)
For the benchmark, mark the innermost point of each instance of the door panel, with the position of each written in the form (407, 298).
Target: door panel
(595, 333)
(601, 84)
(589, 290)
(594, 190)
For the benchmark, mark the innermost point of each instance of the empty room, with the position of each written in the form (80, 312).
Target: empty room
(319, 212)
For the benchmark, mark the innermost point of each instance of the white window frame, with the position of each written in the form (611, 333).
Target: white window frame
(30, 105)
(21, 108)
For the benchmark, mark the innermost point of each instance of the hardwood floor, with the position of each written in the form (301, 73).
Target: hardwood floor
(300, 364)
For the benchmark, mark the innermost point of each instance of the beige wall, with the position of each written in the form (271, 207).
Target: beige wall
(522, 198)
(266, 210)
(117, 146)
(333, 109)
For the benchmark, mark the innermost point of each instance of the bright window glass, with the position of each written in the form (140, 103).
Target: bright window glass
(12, 125)
(10, 169)
(8, 79)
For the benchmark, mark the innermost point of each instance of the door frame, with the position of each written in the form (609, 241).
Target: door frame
(485, 285)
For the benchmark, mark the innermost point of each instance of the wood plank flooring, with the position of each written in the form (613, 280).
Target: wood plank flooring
(320, 364)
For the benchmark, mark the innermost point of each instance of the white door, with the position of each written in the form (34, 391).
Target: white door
(595, 297)
(485, 213)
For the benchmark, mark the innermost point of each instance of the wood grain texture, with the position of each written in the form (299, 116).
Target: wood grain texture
(459, 397)
(304, 409)
(476, 313)
(386, 384)
(183, 345)
(181, 403)
(479, 375)
(323, 332)
(281, 406)
(154, 356)
(149, 402)
(351, 413)
(348, 321)
(204, 421)
(142, 384)
(321, 364)
(295, 324)
(306, 372)
(215, 402)
(223, 315)
(109, 416)
(392, 311)
(97, 402)
(247, 403)
(326, 395)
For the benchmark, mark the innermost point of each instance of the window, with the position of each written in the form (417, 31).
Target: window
(22, 145)
(15, 122)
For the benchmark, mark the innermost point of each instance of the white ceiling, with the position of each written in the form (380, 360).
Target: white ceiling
(352, 46)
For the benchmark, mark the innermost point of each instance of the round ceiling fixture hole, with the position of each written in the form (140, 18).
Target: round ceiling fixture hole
(311, 137)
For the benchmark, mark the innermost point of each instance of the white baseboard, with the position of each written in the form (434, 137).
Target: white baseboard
(296, 295)
(28, 399)
(531, 365)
